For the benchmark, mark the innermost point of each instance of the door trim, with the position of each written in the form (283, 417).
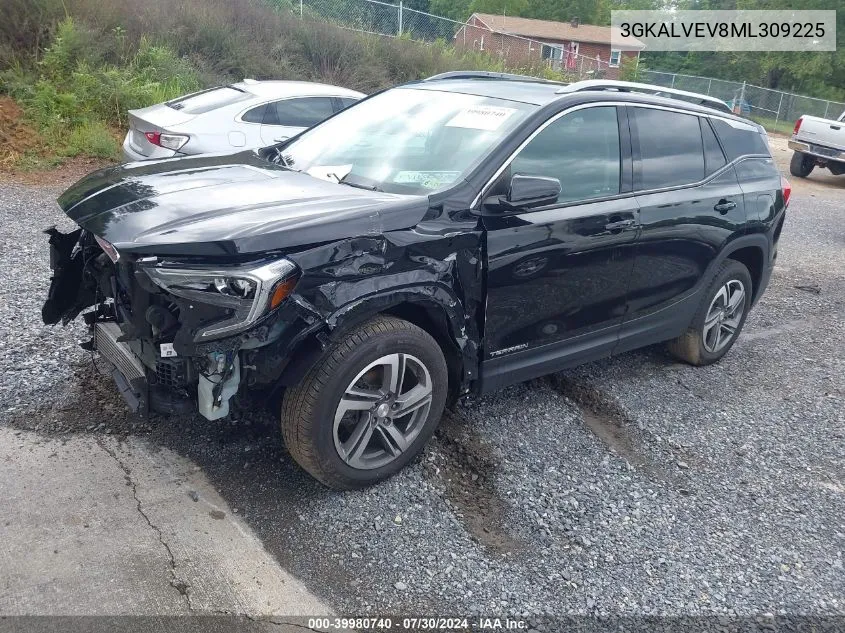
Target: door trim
(534, 362)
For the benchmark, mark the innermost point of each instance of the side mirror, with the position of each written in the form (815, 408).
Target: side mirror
(526, 192)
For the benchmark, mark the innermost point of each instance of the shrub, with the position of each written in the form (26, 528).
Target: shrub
(79, 95)
(90, 139)
(104, 57)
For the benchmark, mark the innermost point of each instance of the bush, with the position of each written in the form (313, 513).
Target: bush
(90, 139)
(104, 57)
(79, 95)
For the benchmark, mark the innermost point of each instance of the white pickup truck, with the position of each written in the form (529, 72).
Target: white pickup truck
(817, 142)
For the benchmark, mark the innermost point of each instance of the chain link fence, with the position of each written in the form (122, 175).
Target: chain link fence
(397, 20)
(774, 109)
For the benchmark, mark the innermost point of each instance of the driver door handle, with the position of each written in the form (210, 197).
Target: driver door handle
(724, 206)
(619, 225)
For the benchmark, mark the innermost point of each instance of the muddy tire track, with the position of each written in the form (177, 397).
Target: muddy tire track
(466, 468)
(609, 422)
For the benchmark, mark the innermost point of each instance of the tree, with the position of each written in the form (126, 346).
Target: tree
(454, 9)
(500, 7)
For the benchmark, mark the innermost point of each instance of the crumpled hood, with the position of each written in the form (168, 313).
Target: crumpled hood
(227, 204)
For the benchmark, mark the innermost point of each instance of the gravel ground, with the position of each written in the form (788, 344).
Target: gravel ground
(632, 486)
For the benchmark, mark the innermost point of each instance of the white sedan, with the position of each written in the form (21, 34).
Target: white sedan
(242, 115)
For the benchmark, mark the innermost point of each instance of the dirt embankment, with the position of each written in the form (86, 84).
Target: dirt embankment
(18, 138)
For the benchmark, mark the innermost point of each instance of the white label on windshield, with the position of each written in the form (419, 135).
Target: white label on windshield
(331, 173)
(426, 179)
(481, 118)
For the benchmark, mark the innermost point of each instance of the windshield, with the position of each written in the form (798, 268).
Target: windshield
(405, 140)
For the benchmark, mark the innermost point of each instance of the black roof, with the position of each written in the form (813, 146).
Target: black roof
(533, 92)
(541, 92)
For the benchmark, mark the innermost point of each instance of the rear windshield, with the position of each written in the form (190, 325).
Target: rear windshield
(207, 100)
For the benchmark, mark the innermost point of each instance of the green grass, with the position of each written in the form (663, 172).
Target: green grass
(771, 125)
(76, 98)
(77, 66)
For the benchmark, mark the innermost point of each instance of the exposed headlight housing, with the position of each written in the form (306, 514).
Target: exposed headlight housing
(249, 292)
(108, 249)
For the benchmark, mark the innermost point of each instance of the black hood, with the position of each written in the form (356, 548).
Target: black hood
(227, 204)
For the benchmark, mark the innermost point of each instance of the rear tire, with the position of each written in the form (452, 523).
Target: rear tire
(719, 319)
(801, 165)
(346, 422)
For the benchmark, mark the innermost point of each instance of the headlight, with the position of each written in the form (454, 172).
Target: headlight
(108, 249)
(248, 292)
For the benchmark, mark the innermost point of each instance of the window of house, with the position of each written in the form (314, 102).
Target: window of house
(615, 57)
(581, 149)
(552, 52)
(671, 150)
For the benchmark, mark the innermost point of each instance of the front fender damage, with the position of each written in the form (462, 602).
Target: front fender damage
(345, 283)
(433, 280)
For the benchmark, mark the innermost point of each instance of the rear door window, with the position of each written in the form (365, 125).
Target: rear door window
(671, 151)
(345, 102)
(581, 149)
(301, 112)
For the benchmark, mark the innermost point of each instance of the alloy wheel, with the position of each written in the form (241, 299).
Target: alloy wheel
(724, 316)
(382, 411)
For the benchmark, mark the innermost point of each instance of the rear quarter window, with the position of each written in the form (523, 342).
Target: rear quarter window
(739, 141)
(714, 159)
(345, 102)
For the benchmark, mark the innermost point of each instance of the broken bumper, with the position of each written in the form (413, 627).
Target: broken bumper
(127, 371)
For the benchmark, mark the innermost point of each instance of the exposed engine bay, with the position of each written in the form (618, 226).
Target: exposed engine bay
(155, 321)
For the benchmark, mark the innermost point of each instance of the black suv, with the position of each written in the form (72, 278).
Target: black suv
(449, 236)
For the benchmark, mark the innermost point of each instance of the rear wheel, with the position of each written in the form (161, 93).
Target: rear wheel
(368, 406)
(719, 319)
(801, 165)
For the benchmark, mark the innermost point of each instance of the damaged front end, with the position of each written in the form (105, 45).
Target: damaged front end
(173, 330)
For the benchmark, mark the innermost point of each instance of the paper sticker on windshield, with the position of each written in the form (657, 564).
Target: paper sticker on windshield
(487, 118)
(426, 179)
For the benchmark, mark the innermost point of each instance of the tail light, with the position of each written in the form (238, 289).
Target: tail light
(167, 141)
(786, 188)
(797, 125)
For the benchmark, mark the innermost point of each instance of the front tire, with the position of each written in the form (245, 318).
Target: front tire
(368, 406)
(719, 319)
(801, 165)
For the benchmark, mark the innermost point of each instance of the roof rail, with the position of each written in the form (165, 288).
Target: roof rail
(659, 91)
(485, 74)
